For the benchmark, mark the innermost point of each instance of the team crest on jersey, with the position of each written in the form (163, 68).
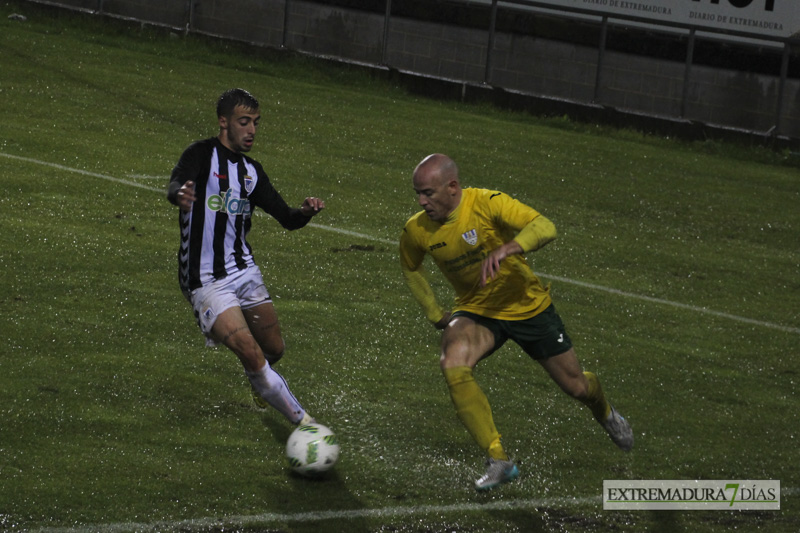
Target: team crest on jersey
(471, 237)
(249, 183)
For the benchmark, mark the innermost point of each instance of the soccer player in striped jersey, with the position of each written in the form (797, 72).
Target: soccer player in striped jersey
(217, 186)
(477, 238)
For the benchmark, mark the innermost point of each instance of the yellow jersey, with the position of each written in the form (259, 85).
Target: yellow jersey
(484, 220)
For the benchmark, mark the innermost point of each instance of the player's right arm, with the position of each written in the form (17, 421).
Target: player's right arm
(184, 196)
(537, 233)
(180, 190)
(533, 231)
(411, 256)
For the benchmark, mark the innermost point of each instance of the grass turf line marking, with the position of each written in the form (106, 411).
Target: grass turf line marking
(316, 516)
(353, 234)
(164, 179)
(679, 305)
(79, 171)
(703, 310)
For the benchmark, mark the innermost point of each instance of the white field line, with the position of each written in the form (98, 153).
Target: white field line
(79, 171)
(163, 179)
(316, 516)
(696, 309)
(353, 514)
(670, 303)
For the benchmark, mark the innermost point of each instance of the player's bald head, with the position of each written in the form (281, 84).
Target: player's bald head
(437, 169)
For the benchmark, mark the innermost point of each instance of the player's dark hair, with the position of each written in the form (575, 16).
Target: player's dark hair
(235, 97)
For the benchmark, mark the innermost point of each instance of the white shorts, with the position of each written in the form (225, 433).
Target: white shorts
(244, 289)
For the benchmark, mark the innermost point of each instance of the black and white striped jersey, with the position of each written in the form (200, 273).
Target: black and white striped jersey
(214, 233)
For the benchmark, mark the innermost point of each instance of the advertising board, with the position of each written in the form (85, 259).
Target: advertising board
(769, 18)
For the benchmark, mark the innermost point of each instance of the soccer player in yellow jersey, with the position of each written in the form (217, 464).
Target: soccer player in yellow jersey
(477, 238)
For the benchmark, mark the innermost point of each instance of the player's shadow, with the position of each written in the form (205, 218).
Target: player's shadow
(341, 512)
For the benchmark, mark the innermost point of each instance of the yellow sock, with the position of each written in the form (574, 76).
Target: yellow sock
(473, 410)
(595, 399)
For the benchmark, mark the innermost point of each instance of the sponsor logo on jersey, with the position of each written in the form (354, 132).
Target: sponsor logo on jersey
(471, 237)
(436, 246)
(229, 204)
(220, 176)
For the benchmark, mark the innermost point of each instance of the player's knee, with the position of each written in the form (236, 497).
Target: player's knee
(455, 356)
(273, 358)
(249, 353)
(273, 349)
(577, 388)
(450, 355)
(252, 360)
(443, 363)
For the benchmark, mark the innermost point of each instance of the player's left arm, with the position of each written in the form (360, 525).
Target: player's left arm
(270, 200)
(535, 234)
(312, 206)
(535, 231)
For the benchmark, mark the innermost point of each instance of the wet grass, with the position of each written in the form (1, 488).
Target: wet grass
(114, 417)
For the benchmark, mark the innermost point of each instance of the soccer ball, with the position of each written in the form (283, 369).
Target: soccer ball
(312, 449)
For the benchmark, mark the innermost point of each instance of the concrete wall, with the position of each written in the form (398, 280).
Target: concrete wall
(254, 21)
(171, 13)
(544, 69)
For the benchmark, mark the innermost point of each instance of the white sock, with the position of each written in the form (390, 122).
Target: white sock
(273, 389)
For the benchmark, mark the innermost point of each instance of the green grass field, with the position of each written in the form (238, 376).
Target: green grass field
(676, 272)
